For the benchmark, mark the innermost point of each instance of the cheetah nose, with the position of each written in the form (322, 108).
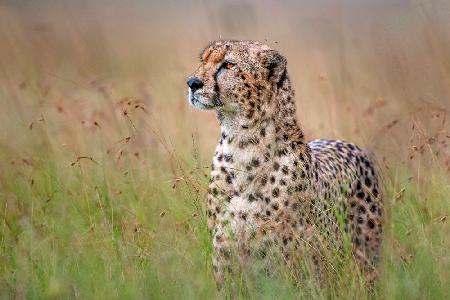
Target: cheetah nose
(194, 84)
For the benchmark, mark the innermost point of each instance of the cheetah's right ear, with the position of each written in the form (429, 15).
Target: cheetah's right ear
(275, 63)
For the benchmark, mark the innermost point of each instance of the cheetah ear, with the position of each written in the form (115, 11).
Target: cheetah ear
(275, 63)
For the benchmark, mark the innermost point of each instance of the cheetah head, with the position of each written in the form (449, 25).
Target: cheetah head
(237, 79)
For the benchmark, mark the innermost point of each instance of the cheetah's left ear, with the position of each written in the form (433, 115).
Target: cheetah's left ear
(275, 63)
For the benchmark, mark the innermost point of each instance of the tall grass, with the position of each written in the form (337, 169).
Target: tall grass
(103, 166)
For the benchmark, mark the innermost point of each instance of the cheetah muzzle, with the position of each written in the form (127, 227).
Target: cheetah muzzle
(269, 187)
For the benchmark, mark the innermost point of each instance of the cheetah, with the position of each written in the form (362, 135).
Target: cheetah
(269, 186)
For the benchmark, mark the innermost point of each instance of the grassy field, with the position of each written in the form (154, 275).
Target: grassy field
(103, 165)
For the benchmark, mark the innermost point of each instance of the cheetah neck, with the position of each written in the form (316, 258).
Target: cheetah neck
(285, 113)
(253, 150)
(280, 112)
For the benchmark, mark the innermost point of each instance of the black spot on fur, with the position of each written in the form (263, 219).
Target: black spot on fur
(228, 158)
(272, 179)
(263, 180)
(251, 198)
(358, 185)
(276, 166)
(275, 192)
(255, 162)
(373, 208)
(262, 132)
(360, 195)
(361, 209)
(294, 175)
(375, 193)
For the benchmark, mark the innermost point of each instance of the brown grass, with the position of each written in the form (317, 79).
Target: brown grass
(97, 90)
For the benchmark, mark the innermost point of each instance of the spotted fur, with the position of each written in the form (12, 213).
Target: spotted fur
(268, 186)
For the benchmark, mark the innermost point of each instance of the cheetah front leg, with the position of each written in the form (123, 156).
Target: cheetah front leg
(231, 233)
(221, 255)
(231, 246)
(220, 194)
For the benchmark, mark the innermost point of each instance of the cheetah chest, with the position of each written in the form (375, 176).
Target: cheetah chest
(256, 192)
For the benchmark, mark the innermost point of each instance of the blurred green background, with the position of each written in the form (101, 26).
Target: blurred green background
(103, 164)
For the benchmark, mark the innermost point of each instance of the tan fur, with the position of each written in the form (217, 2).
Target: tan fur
(268, 186)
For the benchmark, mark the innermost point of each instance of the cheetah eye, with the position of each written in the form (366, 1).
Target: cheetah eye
(227, 65)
